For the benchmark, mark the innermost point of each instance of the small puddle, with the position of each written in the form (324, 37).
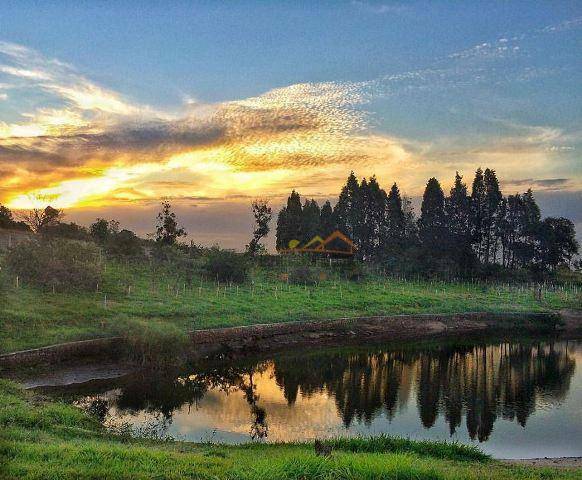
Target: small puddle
(73, 375)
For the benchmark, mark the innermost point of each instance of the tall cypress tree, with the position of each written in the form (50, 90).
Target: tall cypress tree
(289, 221)
(410, 223)
(458, 213)
(492, 215)
(395, 221)
(477, 212)
(431, 224)
(511, 230)
(347, 210)
(363, 228)
(310, 224)
(530, 225)
(375, 210)
(326, 220)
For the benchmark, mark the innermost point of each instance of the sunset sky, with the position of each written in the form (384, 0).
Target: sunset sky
(107, 107)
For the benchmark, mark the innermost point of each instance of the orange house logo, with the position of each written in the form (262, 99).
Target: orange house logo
(335, 244)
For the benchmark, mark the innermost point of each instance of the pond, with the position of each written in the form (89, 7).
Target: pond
(515, 399)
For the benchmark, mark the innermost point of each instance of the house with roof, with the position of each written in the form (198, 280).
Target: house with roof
(336, 244)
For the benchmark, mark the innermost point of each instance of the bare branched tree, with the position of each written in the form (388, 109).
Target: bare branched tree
(37, 218)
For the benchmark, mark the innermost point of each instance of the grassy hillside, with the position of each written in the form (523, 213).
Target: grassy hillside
(41, 439)
(132, 296)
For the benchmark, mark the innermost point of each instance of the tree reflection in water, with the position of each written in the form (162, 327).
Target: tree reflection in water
(481, 382)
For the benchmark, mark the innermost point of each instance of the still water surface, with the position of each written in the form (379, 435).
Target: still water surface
(514, 399)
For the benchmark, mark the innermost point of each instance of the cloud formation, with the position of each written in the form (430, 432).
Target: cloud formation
(96, 142)
(82, 144)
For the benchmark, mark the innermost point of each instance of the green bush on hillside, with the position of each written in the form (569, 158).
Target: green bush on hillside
(226, 266)
(58, 263)
(154, 342)
(304, 275)
(125, 244)
(354, 271)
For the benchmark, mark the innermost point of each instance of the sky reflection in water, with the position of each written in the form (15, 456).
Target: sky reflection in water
(518, 399)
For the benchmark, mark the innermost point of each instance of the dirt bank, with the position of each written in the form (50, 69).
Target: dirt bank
(560, 462)
(265, 337)
(260, 338)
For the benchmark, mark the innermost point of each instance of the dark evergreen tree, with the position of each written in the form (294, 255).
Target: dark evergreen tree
(362, 226)
(373, 225)
(518, 230)
(458, 221)
(395, 221)
(557, 242)
(294, 217)
(431, 225)
(347, 211)
(410, 223)
(326, 220)
(281, 240)
(310, 221)
(492, 215)
(477, 213)
(530, 225)
(459, 229)
(511, 230)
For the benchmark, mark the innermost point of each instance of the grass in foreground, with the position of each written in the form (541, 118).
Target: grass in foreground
(41, 439)
(136, 296)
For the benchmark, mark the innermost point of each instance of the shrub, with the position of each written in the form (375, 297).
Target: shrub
(124, 244)
(226, 266)
(154, 342)
(72, 231)
(304, 275)
(395, 444)
(179, 260)
(355, 271)
(57, 263)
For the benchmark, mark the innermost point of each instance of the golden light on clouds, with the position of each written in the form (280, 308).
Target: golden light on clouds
(98, 148)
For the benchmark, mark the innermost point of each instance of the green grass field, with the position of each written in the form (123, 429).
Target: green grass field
(133, 296)
(43, 439)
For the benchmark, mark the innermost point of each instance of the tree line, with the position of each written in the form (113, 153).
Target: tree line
(459, 232)
(48, 223)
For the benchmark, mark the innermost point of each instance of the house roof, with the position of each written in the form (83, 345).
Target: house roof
(320, 245)
(314, 240)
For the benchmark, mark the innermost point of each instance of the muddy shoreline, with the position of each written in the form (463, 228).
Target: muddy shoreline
(553, 462)
(260, 338)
